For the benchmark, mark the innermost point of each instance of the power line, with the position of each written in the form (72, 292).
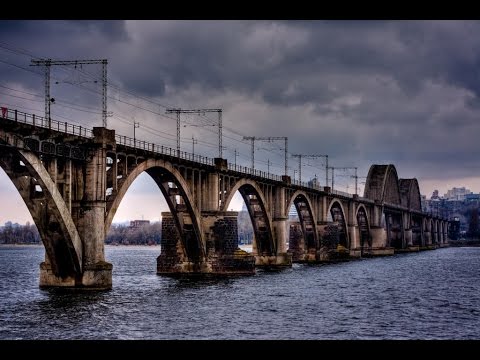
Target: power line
(310, 156)
(179, 111)
(47, 63)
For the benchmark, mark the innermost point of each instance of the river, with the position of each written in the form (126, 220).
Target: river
(426, 295)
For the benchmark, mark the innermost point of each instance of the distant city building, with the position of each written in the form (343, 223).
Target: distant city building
(313, 183)
(138, 223)
(472, 197)
(457, 193)
(455, 205)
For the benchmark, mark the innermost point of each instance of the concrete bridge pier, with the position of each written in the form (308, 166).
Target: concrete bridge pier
(279, 261)
(325, 247)
(88, 209)
(280, 257)
(222, 256)
(296, 243)
(428, 238)
(354, 235)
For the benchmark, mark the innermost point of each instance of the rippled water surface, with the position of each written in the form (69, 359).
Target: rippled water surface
(427, 295)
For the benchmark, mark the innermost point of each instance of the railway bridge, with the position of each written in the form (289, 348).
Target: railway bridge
(73, 179)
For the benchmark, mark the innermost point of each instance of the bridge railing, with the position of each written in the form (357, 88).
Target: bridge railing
(67, 128)
(78, 130)
(341, 193)
(39, 121)
(160, 149)
(255, 172)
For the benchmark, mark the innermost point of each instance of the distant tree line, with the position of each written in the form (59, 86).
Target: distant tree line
(19, 234)
(119, 234)
(148, 234)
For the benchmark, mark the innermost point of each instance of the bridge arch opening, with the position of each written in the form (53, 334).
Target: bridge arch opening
(394, 228)
(245, 230)
(137, 220)
(17, 211)
(364, 231)
(29, 174)
(254, 202)
(302, 234)
(336, 230)
(181, 236)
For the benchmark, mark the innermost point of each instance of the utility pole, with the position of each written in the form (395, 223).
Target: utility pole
(135, 125)
(198, 111)
(333, 175)
(49, 62)
(194, 141)
(235, 157)
(268, 166)
(269, 139)
(309, 156)
(356, 181)
(176, 111)
(252, 139)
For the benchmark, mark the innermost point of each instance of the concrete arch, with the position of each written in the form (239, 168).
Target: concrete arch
(363, 223)
(237, 187)
(63, 246)
(410, 194)
(307, 221)
(362, 206)
(382, 184)
(158, 169)
(261, 219)
(292, 199)
(339, 216)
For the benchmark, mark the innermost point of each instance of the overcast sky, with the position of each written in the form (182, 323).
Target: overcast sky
(363, 92)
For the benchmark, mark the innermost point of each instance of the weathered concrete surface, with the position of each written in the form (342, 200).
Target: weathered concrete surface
(275, 261)
(223, 254)
(408, 249)
(94, 277)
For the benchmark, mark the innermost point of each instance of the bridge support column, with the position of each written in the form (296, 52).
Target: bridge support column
(223, 256)
(427, 235)
(354, 235)
(96, 276)
(445, 234)
(296, 242)
(173, 258)
(282, 257)
(88, 214)
(408, 238)
(326, 246)
(379, 241)
(407, 232)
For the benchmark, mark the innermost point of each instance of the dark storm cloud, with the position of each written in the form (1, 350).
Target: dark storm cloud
(363, 91)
